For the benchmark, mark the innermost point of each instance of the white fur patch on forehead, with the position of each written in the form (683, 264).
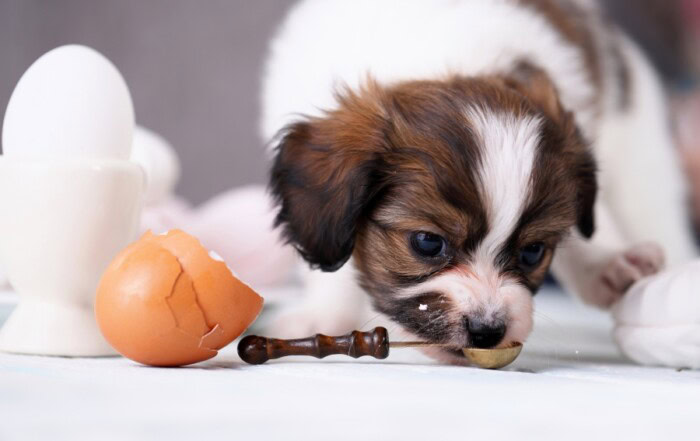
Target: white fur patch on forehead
(508, 150)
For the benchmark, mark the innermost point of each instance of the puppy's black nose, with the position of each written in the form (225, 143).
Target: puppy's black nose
(485, 335)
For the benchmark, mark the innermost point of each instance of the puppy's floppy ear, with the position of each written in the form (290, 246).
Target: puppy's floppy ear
(324, 177)
(534, 84)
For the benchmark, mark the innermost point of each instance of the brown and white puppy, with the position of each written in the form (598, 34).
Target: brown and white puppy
(452, 166)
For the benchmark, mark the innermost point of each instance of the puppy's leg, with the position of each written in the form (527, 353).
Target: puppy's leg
(642, 215)
(641, 179)
(332, 304)
(600, 270)
(625, 268)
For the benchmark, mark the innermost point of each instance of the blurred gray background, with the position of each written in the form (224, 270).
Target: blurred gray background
(193, 68)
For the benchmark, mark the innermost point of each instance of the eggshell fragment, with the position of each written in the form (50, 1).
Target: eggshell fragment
(163, 301)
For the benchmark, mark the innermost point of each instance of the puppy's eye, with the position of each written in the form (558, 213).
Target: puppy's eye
(530, 256)
(427, 244)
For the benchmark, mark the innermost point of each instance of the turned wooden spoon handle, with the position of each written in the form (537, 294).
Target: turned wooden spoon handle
(257, 350)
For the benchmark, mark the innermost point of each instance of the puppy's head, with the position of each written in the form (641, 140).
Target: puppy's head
(451, 196)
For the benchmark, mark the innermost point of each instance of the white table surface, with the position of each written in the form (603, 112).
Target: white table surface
(569, 383)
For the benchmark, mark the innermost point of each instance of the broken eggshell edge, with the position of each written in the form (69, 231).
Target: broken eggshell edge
(164, 301)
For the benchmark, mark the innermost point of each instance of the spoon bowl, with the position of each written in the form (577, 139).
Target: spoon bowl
(493, 358)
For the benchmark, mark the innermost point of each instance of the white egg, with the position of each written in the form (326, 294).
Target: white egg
(71, 103)
(159, 161)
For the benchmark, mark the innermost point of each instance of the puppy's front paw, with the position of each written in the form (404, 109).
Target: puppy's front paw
(624, 269)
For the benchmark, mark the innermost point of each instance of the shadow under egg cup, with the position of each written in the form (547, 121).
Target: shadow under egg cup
(61, 223)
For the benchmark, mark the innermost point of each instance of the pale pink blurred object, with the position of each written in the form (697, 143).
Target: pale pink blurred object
(687, 116)
(173, 212)
(236, 224)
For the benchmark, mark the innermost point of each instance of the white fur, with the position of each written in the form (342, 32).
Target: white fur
(642, 195)
(333, 304)
(509, 147)
(324, 44)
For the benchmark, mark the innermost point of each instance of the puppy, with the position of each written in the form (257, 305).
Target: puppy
(441, 156)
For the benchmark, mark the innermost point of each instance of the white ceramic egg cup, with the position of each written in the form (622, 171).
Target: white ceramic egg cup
(61, 223)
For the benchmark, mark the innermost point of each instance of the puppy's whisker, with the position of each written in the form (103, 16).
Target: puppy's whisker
(370, 320)
(393, 328)
(545, 317)
(433, 319)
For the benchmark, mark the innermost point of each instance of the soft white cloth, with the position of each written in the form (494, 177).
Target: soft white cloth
(570, 383)
(160, 163)
(658, 319)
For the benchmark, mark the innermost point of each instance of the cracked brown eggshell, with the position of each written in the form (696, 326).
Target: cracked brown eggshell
(164, 301)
